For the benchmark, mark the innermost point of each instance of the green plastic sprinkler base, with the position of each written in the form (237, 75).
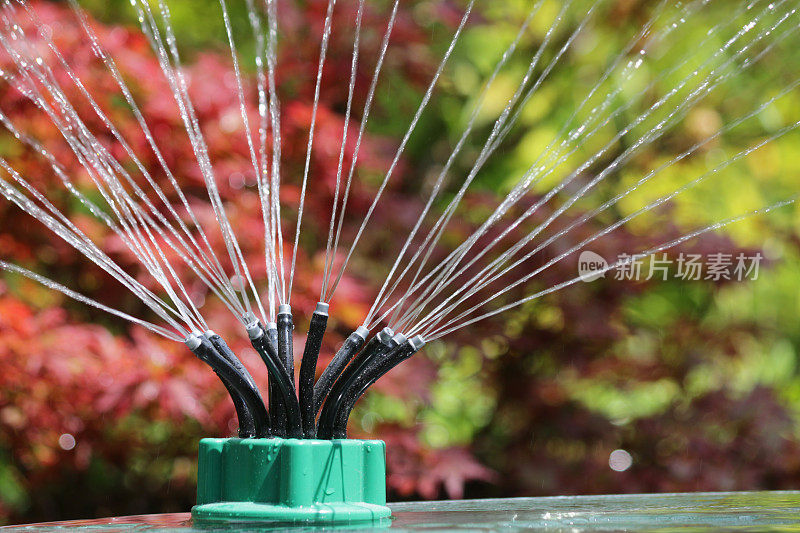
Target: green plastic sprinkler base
(292, 481)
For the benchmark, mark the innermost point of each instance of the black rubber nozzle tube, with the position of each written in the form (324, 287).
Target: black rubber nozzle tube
(225, 351)
(247, 426)
(325, 423)
(388, 346)
(308, 369)
(351, 346)
(375, 348)
(251, 412)
(285, 327)
(377, 370)
(246, 422)
(277, 409)
(285, 347)
(265, 349)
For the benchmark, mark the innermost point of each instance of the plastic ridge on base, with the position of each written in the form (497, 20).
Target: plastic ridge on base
(292, 481)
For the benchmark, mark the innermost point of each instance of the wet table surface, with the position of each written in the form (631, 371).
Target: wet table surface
(732, 511)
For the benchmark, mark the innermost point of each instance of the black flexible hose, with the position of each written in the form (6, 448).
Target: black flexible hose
(365, 380)
(308, 369)
(375, 348)
(266, 350)
(351, 346)
(285, 346)
(325, 423)
(225, 350)
(277, 409)
(247, 428)
(253, 410)
(285, 327)
(356, 381)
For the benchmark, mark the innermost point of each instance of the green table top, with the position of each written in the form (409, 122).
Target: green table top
(731, 511)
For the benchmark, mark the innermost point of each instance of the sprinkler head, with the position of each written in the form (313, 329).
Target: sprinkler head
(322, 308)
(193, 341)
(385, 335)
(362, 332)
(399, 338)
(284, 309)
(254, 330)
(416, 342)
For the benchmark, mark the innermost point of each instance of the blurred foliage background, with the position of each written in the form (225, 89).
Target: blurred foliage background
(696, 381)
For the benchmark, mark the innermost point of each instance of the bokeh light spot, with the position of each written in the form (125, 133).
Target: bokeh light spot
(620, 460)
(66, 441)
